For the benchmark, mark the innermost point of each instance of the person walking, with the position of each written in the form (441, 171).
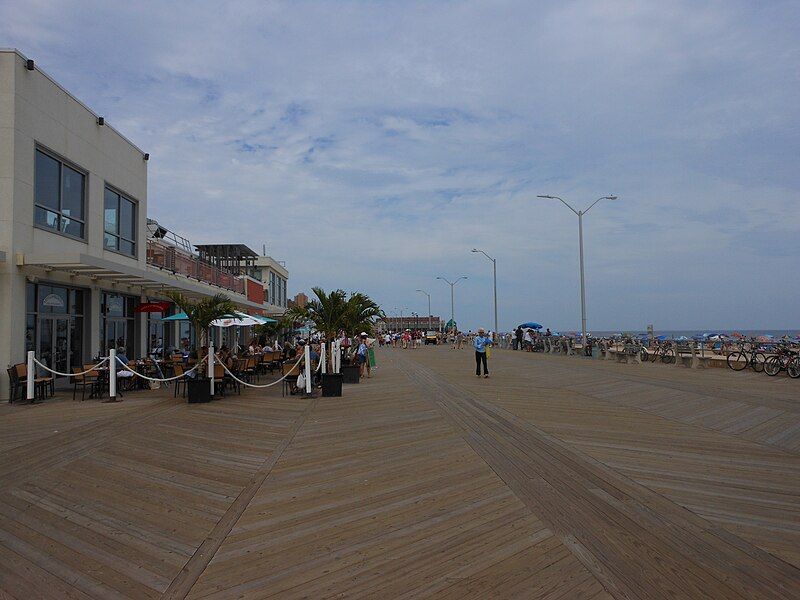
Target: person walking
(480, 342)
(362, 356)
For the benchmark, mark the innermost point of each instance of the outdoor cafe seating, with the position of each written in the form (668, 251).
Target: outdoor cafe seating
(18, 379)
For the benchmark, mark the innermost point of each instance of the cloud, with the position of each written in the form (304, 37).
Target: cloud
(372, 145)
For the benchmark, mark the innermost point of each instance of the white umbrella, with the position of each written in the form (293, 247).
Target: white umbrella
(240, 319)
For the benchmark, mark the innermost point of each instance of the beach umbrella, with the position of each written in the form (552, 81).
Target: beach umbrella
(765, 338)
(737, 335)
(531, 325)
(661, 338)
(681, 338)
(181, 316)
(240, 319)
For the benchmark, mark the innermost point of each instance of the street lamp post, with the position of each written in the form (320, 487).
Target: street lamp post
(494, 272)
(416, 320)
(452, 294)
(430, 316)
(580, 214)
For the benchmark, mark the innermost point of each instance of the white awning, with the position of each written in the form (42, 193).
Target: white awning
(152, 281)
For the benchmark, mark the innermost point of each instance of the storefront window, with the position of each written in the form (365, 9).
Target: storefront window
(117, 323)
(54, 325)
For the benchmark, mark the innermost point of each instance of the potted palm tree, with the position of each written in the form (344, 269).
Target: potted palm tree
(201, 313)
(333, 312)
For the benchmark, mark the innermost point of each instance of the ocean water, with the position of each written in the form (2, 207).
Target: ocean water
(690, 333)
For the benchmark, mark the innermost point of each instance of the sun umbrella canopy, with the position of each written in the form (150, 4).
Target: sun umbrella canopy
(531, 325)
(237, 319)
(181, 316)
(152, 307)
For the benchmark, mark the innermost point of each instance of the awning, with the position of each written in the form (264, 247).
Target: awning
(150, 281)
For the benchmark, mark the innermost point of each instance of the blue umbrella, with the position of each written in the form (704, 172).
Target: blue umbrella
(531, 325)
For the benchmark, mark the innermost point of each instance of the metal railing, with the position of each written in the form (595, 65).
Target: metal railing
(170, 258)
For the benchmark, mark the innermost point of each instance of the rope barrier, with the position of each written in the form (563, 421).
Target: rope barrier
(46, 368)
(253, 385)
(137, 374)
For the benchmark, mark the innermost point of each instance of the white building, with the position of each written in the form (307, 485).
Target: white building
(275, 277)
(76, 255)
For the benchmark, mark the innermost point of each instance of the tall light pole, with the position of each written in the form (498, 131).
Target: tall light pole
(416, 319)
(430, 316)
(580, 214)
(494, 270)
(452, 295)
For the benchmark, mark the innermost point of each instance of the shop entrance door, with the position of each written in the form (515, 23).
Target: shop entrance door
(54, 346)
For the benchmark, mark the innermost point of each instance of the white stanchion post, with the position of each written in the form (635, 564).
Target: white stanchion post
(323, 358)
(30, 389)
(211, 365)
(307, 354)
(112, 375)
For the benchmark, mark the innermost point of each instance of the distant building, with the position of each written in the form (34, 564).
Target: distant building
(411, 322)
(300, 300)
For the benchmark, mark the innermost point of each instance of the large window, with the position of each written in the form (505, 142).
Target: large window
(117, 323)
(54, 325)
(59, 196)
(119, 216)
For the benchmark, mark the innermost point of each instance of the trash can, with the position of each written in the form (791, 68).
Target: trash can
(331, 385)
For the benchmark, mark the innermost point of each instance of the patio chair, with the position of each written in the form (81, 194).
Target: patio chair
(88, 380)
(181, 381)
(41, 384)
(249, 369)
(291, 372)
(220, 378)
(15, 386)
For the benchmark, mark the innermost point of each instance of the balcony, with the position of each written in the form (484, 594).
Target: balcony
(169, 257)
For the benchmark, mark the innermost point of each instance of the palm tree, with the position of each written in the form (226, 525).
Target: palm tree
(201, 313)
(361, 311)
(334, 311)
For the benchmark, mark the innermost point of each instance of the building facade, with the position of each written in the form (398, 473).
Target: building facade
(432, 323)
(78, 256)
(275, 277)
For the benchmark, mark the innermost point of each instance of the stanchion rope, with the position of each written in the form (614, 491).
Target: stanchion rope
(46, 368)
(253, 385)
(184, 374)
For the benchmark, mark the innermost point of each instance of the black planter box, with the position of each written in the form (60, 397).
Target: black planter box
(198, 390)
(332, 385)
(350, 374)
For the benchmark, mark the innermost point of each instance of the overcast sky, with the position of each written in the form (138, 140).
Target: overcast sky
(372, 144)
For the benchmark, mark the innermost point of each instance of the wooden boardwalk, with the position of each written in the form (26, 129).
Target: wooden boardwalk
(557, 478)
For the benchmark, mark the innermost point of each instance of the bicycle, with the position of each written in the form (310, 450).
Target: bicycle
(793, 368)
(740, 360)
